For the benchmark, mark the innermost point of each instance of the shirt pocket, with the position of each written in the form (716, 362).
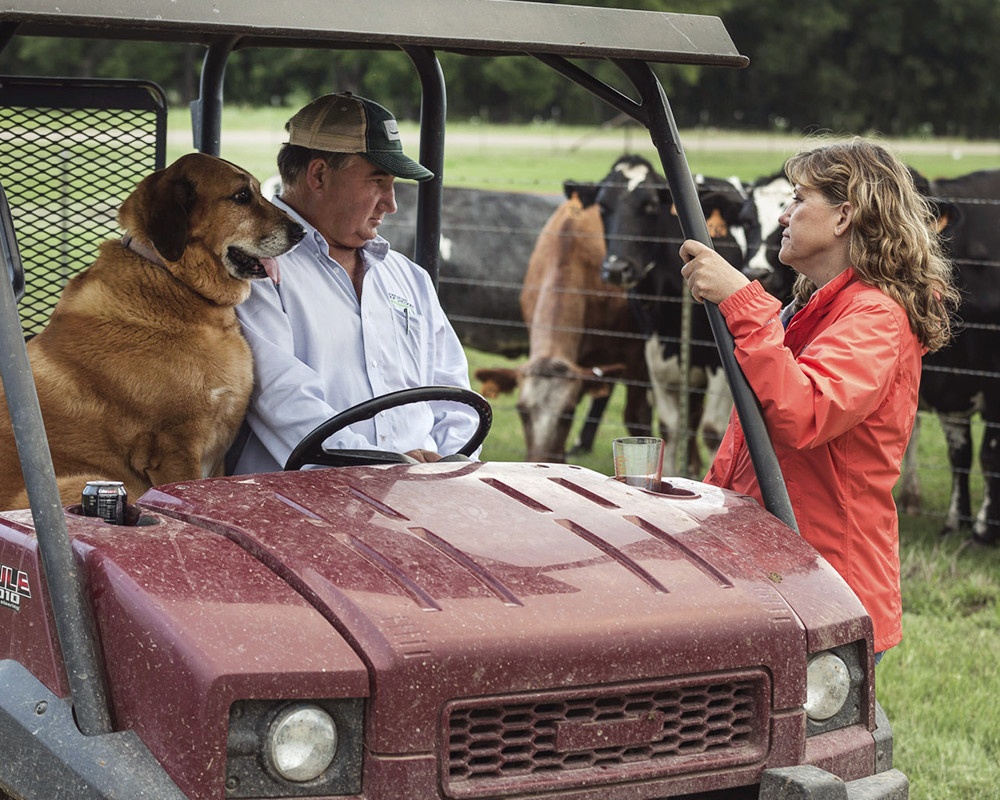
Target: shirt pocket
(412, 347)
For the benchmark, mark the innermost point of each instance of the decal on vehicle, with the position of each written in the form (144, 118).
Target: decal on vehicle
(13, 587)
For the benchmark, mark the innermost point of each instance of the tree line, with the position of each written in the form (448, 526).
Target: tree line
(899, 67)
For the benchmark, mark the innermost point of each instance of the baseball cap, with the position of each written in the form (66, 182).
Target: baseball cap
(345, 123)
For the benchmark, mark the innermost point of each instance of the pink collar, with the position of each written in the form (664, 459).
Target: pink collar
(129, 242)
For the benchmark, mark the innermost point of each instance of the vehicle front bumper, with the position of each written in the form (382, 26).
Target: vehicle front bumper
(807, 782)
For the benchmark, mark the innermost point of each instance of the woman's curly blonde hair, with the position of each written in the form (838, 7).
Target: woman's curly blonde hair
(894, 245)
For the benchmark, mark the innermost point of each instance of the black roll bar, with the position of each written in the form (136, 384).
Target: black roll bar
(73, 616)
(666, 139)
(655, 114)
(433, 111)
(206, 111)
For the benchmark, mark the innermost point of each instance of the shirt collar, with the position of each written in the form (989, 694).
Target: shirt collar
(376, 248)
(820, 298)
(825, 294)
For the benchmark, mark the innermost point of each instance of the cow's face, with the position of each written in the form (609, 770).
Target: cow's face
(643, 231)
(635, 206)
(550, 391)
(731, 216)
(770, 197)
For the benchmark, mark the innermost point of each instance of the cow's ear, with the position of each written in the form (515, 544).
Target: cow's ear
(747, 215)
(497, 381)
(920, 182)
(585, 192)
(710, 201)
(732, 210)
(598, 381)
(949, 215)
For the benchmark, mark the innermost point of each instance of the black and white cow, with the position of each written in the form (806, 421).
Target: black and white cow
(770, 195)
(643, 236)
(964, 378)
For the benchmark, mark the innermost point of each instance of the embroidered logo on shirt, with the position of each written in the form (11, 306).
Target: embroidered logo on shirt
(401, 303)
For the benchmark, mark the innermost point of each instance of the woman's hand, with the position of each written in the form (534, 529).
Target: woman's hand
(709, 276)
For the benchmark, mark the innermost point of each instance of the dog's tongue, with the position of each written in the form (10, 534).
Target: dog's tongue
(271, 268)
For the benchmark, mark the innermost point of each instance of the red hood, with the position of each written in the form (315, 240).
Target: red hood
(452, 580)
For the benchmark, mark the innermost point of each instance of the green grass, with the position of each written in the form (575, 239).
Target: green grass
(940, 686)
(538, 158)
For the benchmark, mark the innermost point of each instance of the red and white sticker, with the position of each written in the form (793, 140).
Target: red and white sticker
(14, 587)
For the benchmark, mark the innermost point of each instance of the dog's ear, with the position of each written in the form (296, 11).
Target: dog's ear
(170, 204)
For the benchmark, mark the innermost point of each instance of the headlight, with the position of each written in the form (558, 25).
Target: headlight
(295, 748)
(828, 683)
(301, 743)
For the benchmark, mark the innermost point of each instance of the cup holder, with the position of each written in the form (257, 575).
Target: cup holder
(134, 518)
(669, 490)
(665, 489)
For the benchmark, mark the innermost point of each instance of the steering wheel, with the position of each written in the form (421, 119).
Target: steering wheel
(311, 451)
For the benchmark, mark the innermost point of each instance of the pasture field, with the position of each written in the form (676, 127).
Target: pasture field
(538, 158)
(940, 686)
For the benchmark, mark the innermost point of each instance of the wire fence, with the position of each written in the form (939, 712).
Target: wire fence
(932, 472)
(488, 237)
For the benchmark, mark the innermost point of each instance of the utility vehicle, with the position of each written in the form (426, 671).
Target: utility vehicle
(391, 631)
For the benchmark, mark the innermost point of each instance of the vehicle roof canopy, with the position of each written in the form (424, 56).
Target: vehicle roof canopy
(483, 27)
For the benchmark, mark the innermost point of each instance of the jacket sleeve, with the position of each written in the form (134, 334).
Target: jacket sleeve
(838, 379)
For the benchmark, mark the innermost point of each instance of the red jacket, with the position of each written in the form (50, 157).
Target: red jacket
(838, 391)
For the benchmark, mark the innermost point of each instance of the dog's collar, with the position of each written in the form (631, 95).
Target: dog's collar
(129, 243)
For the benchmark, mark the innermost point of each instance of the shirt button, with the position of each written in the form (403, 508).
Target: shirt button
(374, 363)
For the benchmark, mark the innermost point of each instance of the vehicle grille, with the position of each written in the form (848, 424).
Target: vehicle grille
(594, 736)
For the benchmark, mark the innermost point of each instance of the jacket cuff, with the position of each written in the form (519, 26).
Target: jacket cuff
(749, 308)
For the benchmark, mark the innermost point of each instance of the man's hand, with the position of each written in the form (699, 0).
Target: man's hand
(424, 456)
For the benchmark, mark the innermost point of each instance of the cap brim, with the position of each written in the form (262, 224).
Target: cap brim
(399, 165)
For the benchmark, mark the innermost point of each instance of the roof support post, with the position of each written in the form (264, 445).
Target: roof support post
(666, 139)
(206, 111)
(73, 615)
(433, 111)
(654, 112)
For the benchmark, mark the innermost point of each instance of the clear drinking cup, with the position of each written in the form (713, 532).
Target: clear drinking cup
(639, 461)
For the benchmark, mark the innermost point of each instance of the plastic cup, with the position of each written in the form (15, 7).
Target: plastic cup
(639, 461)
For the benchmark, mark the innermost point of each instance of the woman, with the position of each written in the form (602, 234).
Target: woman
(837, 371)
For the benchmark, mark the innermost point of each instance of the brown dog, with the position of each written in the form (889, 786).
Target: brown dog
(143, 374)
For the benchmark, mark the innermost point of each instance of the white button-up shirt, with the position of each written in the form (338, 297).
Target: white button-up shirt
(318, 350)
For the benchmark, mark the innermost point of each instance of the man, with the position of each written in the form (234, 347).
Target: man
(346, 318)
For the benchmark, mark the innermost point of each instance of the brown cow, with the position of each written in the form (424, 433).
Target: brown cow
(582, 336)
